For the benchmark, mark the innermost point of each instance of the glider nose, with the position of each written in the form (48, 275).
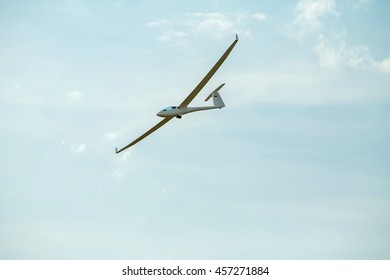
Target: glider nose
(160, 114)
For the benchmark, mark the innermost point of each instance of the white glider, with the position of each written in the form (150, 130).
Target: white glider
(169, 113)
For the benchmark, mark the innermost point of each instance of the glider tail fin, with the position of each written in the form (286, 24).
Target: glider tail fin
(217, 100)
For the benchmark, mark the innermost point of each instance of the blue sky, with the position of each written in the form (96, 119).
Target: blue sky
(295, 167)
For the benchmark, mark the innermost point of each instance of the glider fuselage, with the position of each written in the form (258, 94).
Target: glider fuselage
(174, 111)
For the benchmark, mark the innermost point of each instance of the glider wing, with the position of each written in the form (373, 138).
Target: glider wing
(203, 82)
(147, 133)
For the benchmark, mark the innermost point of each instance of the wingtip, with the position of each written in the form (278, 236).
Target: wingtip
(116, 150)
(236, 37)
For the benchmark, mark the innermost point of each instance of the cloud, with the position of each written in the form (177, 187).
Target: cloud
(217, 25)
(260, 16)
(214, 25)
(309, 14)
(69, 150)
(337, 53)
(158, 23)
(123, 166)
(79, 148)
(76, 96)
(384, 65)
(113, 135)
(332, 47)
(174, 37)
(119, 174)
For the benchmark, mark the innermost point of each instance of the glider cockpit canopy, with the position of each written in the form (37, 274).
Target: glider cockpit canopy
(169, 108)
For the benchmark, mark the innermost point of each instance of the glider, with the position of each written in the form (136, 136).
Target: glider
(169, 113)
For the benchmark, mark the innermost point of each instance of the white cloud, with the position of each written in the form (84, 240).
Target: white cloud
(211, 24)
(217, 25)
(329, 56)
(309, 14)
(113, 135)
(214, 25)
(79, 148)
(158, 23)
(384, 65)
(125, 155)
(174, 37)
(75, 96)
(337, 53)
(123, 166)
(119, 174)
(333, 50)
(260, 16)
(69, 150)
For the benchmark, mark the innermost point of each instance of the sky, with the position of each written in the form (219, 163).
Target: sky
(296, 166)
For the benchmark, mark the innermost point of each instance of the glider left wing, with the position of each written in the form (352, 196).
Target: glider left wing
(147, 133)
